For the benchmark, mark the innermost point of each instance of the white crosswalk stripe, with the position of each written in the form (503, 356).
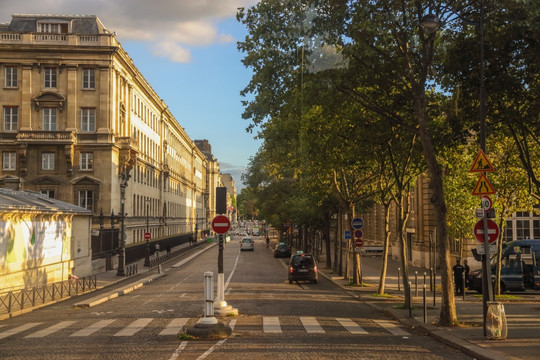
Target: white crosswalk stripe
(352, 327)
(134, 327)
(271, 325)
(17, 330)
(51, 329)
(392, 327)
(311, 325)
(93, 328)
(174, 327)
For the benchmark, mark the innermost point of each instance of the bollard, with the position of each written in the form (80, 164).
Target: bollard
(425, 305)
(209, 317)
(410, 300)
(425, 278)
(398, 280)
(434, 287)
(431, 279)
(416, 283)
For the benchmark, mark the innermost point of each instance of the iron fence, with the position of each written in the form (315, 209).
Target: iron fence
(17, 300)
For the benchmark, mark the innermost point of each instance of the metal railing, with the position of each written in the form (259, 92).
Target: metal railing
(17, 300)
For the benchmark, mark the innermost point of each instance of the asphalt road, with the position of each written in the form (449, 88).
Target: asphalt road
(276, 320)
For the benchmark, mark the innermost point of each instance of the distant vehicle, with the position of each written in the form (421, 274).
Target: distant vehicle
(247, 244)
(303, 267)
(256, 231)
(282, 250)
(520, 267)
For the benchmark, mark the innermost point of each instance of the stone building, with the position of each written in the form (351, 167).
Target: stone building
(82, 125)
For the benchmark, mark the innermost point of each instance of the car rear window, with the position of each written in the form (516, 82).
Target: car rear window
(247, 240)
(302, 260)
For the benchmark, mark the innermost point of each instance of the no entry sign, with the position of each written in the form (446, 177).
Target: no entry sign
(221, 224)
(493, 231)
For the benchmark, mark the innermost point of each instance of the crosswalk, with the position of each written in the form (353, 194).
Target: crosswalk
(268, 325)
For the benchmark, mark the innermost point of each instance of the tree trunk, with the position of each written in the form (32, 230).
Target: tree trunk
(327, 245)
(382, 278)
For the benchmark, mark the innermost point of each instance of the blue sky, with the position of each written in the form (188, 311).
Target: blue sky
(186, 50)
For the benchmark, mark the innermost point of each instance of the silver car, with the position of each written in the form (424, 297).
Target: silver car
(247, 244)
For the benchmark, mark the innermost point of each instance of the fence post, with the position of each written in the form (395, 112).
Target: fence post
(425, 305)
(416, 283)
(398, 280)
(410, 301)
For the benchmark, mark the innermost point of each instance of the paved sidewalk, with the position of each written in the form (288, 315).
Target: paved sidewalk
(523, 315)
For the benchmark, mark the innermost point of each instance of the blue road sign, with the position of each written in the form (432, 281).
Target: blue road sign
(357, 223)
(347, 234)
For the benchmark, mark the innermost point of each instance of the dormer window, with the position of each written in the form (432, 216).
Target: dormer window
(53, 27)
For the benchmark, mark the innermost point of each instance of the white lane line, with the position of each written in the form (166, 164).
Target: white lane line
(174, 327)
(352, 327)
(17, 330)
(392, 327)
(271, 325)
(311, 325)
(178, 350)
(232, 272)
(93, 328)
(209, 351)
(232, 324)
(51, 329)
(134, 327)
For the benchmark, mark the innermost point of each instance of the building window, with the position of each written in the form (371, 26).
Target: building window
(89, 79)
(10, 76)
(49, 119)
(49, 78)
(53, 28)
(523, 229)
(47, 161)
(48, 193)
(8, 160)
(86, 199)
(87, 161)
(11, 117)
(88, 119)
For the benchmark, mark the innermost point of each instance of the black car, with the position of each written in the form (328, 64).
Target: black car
(282, 250)
(303, 267)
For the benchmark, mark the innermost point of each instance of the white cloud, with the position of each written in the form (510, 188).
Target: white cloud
(174, 25)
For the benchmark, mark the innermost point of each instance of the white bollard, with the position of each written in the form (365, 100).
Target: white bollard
(209, 317)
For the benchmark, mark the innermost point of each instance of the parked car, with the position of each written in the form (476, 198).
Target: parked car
(282, 250)
(520, 267)
(247, 244)
(303, 267)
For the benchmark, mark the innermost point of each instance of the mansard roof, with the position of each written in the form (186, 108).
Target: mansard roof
(80, 24)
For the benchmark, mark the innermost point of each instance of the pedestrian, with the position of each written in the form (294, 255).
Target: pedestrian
(157, 248)
(458, 278)
(466, 269)
(168, 250)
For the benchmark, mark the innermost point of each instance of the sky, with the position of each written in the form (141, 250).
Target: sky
(186, 50)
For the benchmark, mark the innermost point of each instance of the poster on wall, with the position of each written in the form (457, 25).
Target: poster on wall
(42, 241)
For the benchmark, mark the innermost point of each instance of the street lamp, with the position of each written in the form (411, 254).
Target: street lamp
(122, 243)
(147, 249)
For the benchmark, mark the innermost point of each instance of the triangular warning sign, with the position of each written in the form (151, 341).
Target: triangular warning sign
(481, 163)
(483, 186)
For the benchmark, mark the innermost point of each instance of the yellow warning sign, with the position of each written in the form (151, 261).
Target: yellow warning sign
(481, 163)
(483, 186)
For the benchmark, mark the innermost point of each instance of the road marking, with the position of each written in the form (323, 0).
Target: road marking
(392, 327)
(177, 352)
(209, 351)
(134, 327)
(232, 324)
(17, 330)
(174, 327)
(352, 327)
(271, 325)
(311, 325)
(93, 328)
(51, 329)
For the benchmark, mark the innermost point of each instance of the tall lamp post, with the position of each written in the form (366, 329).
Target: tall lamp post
(430, 23)
(122, 243)
(147, 249)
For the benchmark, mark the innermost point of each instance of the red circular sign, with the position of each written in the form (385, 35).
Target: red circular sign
(221, 224)
(147, 236)
(358, 234)
(493, 231)
(359, 242)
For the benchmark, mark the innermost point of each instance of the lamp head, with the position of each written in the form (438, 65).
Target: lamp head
(430, 23)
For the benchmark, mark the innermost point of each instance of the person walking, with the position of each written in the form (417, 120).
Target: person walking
(466, 270)
(157, 248)
(458, 270)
